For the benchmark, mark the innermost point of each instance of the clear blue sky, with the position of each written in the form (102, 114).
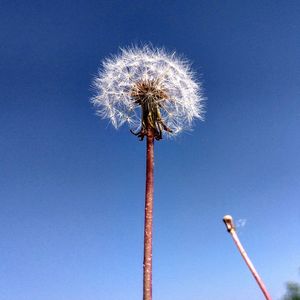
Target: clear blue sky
(72, 188)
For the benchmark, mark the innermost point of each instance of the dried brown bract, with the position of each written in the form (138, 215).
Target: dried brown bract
(150, 95)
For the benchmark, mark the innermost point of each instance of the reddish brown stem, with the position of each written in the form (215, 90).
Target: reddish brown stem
(147, 266)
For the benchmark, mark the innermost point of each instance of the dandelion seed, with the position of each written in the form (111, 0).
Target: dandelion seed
(241, 222)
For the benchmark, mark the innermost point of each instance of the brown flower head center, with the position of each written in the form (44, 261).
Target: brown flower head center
(149, 94)
(148, 90)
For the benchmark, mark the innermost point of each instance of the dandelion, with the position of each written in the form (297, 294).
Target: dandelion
(155, 94)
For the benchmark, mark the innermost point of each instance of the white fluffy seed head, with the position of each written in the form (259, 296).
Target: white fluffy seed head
(120, 74)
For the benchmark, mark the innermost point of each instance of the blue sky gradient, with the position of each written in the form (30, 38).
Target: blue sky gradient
(72, 187)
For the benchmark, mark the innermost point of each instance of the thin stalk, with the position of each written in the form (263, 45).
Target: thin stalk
(231, 229)
(147, 265)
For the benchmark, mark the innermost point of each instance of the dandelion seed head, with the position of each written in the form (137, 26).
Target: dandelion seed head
(135, 74)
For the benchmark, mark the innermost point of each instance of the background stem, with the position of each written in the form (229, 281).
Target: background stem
(147, 266)
(249, 264)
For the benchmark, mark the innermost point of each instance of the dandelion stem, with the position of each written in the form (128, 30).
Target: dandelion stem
(147, 266)
(231, 229)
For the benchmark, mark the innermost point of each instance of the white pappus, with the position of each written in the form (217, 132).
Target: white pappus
(180, 98)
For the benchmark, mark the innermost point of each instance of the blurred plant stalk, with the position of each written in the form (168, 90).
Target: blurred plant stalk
(228, 220)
